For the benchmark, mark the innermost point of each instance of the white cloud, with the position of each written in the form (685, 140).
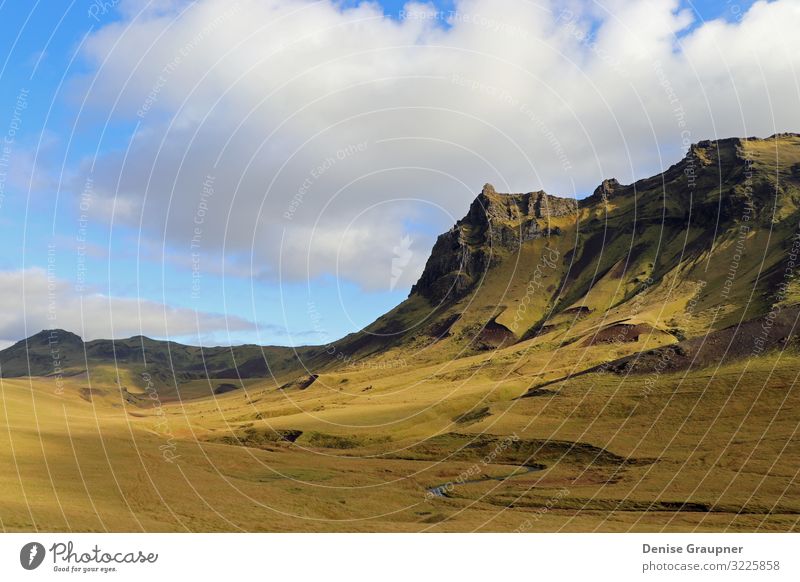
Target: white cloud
(34, 299)
(354, 124)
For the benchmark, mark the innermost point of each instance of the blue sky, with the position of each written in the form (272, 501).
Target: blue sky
(41, 211)
(41, 59)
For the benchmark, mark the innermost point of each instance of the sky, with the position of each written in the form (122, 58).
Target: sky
(277, 171)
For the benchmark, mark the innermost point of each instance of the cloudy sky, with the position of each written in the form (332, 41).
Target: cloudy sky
(276, 171)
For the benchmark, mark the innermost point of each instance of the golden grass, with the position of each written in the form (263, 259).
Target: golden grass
(723, 441)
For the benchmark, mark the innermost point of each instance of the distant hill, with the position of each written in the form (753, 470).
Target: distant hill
(59, 352)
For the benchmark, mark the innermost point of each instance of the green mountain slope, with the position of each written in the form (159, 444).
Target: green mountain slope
(697, 249)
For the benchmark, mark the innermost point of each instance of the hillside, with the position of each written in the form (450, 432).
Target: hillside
(696, 249)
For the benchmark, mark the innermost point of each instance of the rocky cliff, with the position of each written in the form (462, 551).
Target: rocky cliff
(494, 224)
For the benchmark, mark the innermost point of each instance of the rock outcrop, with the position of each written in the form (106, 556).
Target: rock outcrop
(494, 223)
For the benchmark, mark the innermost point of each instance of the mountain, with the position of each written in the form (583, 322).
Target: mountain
(692, 251)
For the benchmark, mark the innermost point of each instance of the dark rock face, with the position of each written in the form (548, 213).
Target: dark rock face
(493, 335)
(494, 222)
(452, 268)
(605, 190)
(490, 206)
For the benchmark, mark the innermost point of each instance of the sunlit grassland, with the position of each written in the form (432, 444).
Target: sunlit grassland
(722, 442)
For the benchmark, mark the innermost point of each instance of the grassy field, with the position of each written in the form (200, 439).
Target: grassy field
(358, 450)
